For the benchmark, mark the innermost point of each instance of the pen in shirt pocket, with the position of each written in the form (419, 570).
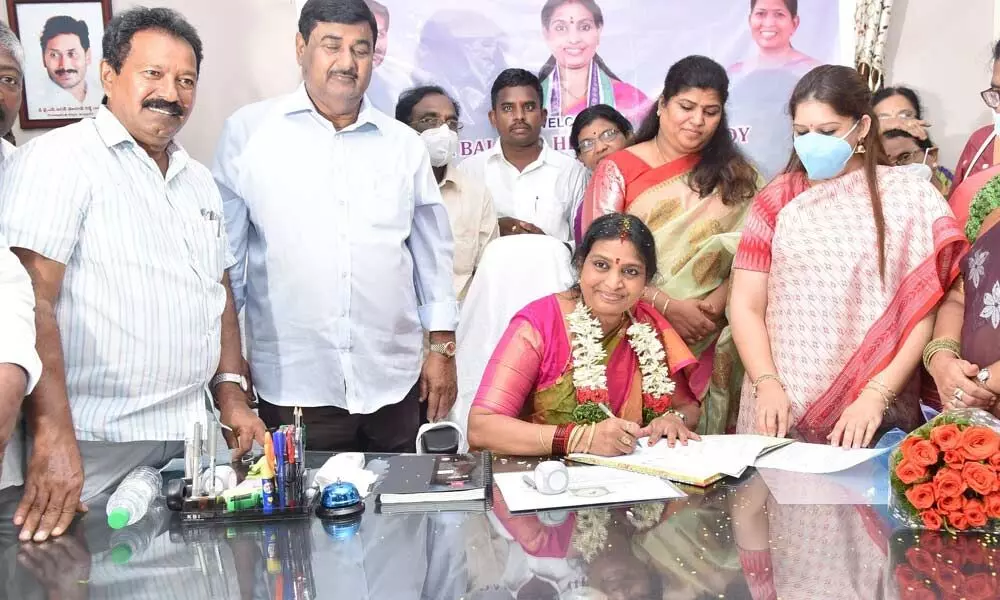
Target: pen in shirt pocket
(211, 215)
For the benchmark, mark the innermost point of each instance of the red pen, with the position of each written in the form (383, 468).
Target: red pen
(290, 482)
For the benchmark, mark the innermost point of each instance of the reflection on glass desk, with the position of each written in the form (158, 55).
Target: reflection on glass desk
(729, 541)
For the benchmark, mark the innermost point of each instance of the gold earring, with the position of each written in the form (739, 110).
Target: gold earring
(860, 149)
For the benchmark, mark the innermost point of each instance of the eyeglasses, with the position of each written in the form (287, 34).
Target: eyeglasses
(991, 97)
(907, 158)
(903, 114)
(435, 122)
(606, 136)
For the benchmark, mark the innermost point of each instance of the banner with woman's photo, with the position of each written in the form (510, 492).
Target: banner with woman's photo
(615, 52)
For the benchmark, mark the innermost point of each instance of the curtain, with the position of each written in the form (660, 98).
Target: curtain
(871, 20)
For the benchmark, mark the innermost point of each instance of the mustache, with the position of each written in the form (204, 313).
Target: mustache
(351, 74)
(66, 71)
(517, 124)
(174, 108)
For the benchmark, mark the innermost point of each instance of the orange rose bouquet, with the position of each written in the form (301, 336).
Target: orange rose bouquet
(946, 474)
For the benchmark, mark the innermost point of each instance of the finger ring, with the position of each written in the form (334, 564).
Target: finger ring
(625, 440)
(959, 392)
(513, 228)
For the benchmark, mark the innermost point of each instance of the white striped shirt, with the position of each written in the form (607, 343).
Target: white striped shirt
(140, 309)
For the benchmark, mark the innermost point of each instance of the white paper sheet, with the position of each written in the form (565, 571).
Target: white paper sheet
(727, 454)
(587, 486)
(816, 458)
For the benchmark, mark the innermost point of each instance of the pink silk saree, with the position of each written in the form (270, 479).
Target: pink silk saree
(530, 375)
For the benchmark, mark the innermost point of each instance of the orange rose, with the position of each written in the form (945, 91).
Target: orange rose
(946, 436)
(947, 483)
(993, 506)
(958, 520)
(924, 453)
(921, 496)
(995, 460)
(907, 446)
(931, 519)
(975, 512)
(954, 458)
(979, 477)
(950, 504)
(979, 443)
(910, 472)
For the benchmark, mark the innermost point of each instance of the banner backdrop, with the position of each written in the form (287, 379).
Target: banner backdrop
(619, 52)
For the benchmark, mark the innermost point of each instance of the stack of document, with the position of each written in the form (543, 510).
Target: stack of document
(699, 463)
(702, 463)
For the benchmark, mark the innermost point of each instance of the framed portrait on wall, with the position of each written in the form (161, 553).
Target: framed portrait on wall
(62, 58)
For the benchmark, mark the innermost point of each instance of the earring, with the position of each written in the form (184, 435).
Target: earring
(860, 149)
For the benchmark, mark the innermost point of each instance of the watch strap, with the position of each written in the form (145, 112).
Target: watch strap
(236, 378)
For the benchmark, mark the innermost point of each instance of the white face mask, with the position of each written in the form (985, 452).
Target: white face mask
(920, 170)
(442, 144)
(996, 122)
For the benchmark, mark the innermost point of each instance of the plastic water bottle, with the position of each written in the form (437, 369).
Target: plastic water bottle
(133, 497)
(132, 541)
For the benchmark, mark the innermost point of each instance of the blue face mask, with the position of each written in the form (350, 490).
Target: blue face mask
(823, 156)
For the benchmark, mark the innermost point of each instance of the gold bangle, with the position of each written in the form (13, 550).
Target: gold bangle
(761, 379)
(574, 439)
(546, 450)
(653, 299)
(590, 438)
(940, 345)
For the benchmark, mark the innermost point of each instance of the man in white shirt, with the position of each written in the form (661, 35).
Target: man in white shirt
(534, 187)
(127, 252)
(343, 248)
(434, 115)
(19, 363)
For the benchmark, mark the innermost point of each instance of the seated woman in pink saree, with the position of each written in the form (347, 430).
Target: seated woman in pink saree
(686, 180)
(838, 276)
(564, 355)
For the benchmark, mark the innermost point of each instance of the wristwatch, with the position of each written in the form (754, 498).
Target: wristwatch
(229, 378)
(447, 349)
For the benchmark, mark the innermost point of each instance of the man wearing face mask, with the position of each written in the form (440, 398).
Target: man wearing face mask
(918, 156)
(343, 248)
(127, 252)
(434, 115)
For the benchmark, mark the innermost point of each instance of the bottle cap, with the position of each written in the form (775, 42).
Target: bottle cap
(118, 518)
(121, 554)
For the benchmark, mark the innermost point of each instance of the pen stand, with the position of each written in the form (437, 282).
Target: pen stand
(244, 508)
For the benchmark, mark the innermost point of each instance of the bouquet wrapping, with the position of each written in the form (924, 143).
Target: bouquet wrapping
(937, 564)
(944, 475)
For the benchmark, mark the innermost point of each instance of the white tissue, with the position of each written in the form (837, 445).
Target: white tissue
(347, 466)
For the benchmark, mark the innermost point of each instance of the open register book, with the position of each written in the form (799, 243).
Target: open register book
(699, 463)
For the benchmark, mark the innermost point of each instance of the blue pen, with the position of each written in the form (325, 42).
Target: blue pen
(279, 459)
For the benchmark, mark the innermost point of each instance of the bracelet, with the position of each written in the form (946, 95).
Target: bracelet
(761, 379)
(678, 414)
(546, 448)
(653, 299)
(561, 439)
(887, 395)
(574, 439)
(665, 304)
(590, 438)
(940, 345)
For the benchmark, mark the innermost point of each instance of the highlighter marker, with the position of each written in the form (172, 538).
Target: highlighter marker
(279, 459)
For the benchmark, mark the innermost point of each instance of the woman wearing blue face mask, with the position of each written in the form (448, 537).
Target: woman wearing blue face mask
(840, 268)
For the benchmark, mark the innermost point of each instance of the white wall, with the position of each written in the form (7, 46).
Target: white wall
(940, 47)
(945, 53)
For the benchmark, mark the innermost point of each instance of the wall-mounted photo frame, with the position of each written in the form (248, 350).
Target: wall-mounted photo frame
(62, 58)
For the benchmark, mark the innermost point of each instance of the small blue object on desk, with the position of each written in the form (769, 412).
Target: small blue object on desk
(340, 501)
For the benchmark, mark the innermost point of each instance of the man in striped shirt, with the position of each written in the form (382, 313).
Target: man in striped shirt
(122, 234)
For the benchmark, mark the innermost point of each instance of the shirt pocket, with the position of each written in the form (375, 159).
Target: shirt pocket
(387, 202)
(206, 242)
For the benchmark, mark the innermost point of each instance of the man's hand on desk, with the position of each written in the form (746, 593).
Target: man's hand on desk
(52, 486)
(235, 413)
